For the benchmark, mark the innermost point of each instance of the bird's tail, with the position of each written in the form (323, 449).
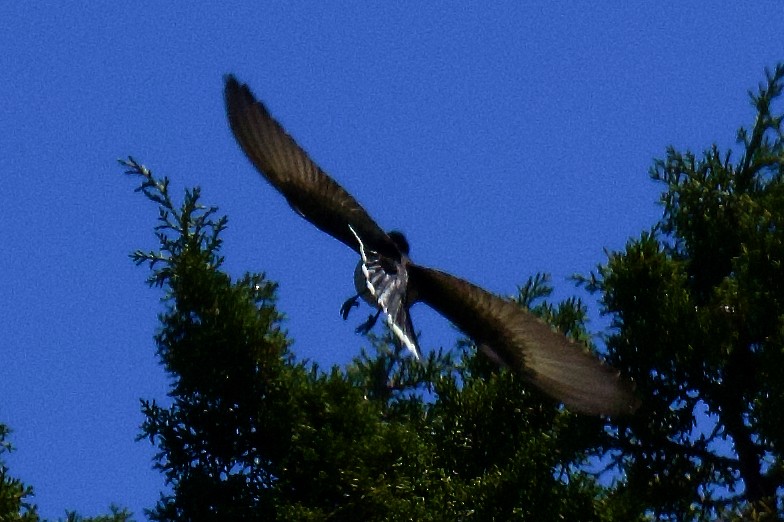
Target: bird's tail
(387, 282)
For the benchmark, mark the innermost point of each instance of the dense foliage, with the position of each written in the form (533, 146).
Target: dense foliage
(250, 433)
(697, 305)
(15, 496)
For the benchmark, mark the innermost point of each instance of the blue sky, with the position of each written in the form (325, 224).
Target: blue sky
(503, 140)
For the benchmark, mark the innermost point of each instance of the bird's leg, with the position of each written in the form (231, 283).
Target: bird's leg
(365, 327)
(350, 303)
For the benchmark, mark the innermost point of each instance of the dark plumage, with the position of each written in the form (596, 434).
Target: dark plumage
(503, 330)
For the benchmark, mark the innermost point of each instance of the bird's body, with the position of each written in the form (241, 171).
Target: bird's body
(388, 279)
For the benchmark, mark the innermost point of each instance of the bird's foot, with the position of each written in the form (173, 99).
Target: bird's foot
(348, 305)
(365, 327)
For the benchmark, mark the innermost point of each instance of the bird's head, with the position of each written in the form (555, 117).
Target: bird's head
(399, 240)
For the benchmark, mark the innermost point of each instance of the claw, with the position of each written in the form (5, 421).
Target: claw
(365, 327)
(348, 305)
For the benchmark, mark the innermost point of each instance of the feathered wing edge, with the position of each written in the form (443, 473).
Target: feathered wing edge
(288, 168)
(515, 337)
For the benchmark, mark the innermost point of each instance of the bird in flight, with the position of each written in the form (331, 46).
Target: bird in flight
(510, 335)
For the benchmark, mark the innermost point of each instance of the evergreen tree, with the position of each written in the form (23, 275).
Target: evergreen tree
(116, 514)
(697, 305)
(251, 433)
(15, 504)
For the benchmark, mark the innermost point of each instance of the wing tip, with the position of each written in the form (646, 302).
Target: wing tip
(613, 398)
(232, 88)
(238, 96)
(230, 79)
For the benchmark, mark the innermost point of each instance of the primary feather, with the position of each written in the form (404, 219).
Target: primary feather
(308, 189)
(513, 336)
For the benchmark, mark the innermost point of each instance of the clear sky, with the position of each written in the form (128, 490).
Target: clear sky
(503, 140)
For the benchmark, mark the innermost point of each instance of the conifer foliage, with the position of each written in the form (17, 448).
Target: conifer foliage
(697, 309)
(697, 304)
(250, 432)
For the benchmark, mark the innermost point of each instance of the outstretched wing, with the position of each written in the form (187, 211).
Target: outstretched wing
(387, 281)
(515, 337)
(309, 191)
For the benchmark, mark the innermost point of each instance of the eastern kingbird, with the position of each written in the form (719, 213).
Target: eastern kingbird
(388, 279)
